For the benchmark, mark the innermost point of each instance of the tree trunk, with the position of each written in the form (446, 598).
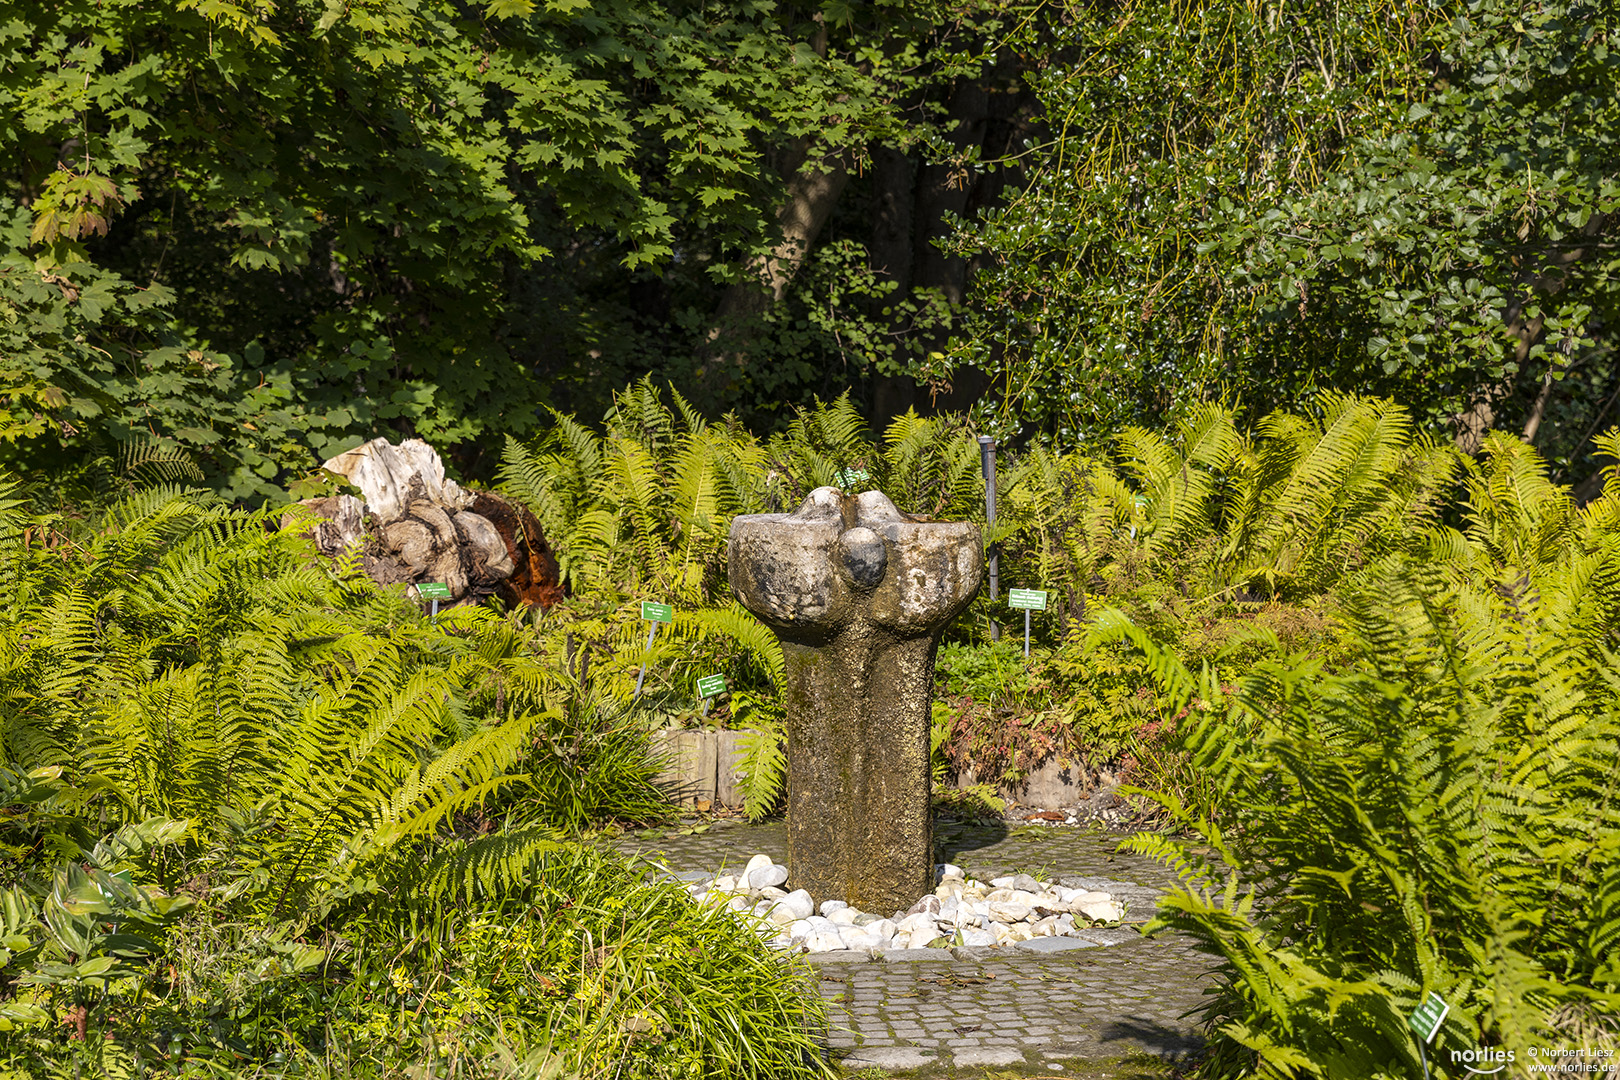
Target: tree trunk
(994, 114)
(816, 177)
(1546, 273)
(942, 187)
(893, 180)
(813, 188)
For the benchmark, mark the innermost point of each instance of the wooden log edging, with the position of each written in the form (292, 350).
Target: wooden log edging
(703, 767)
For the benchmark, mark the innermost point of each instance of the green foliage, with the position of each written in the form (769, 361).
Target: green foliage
(1235, 200)
(586, 970)
(258, 813)
(1438, 816)
(265, 231)
(1202, 528)
(1212, 512)
(762, 754)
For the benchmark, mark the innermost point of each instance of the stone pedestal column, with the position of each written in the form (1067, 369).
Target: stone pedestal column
(858, 594)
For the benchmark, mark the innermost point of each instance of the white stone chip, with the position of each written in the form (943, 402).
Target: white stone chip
(797, 904)
(768, 876)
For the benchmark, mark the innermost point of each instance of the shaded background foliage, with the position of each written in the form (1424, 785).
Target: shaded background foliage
(1070, 216)
(1252, 201)
(261, 231)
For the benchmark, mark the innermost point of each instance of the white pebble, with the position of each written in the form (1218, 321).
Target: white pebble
(765, 877)
(854, 937)
(1101, 911)
(797, 904)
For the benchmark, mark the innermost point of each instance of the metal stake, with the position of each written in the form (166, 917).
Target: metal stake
(1026, 633)
(435, 616)
(987, 462)
(652, 628)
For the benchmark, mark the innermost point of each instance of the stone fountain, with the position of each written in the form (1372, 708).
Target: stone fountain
(858, 593)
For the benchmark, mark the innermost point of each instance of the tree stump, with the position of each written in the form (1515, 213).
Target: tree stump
(414, 525)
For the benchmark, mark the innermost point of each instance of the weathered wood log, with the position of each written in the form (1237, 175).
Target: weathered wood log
(415, 525)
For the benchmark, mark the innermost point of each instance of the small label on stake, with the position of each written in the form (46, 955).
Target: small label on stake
(657, 612)
(432, 590)
(1029, 599)
(710, 685)
(1427, 1017)
(848, 478)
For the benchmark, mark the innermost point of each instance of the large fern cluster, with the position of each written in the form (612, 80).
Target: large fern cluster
(193, 662)
(641, 510)
(1180, 525)
(1440, 817)
(202, 721)
(1215, 512)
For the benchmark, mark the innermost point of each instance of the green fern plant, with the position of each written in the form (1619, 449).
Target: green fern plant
(762, 754)
(1440, 817)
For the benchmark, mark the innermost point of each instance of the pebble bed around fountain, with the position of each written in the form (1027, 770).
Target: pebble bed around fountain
(960, 911)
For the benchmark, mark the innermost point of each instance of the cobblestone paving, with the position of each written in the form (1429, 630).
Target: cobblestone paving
(973, 1009)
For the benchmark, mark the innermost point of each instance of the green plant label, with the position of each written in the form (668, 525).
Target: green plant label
(1426, 1018)
(848, 478)
(1033, 599)
(432, 590)
(657, 612)
(710, 685)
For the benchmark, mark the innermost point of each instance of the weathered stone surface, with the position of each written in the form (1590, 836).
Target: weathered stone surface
(340, 523)
(901, 956)
(841, 956)
(416, 526)
(858, 594)
(392, 477)
(888, 1057)
(536, 577)
(1054, 944)
(987, 1055)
